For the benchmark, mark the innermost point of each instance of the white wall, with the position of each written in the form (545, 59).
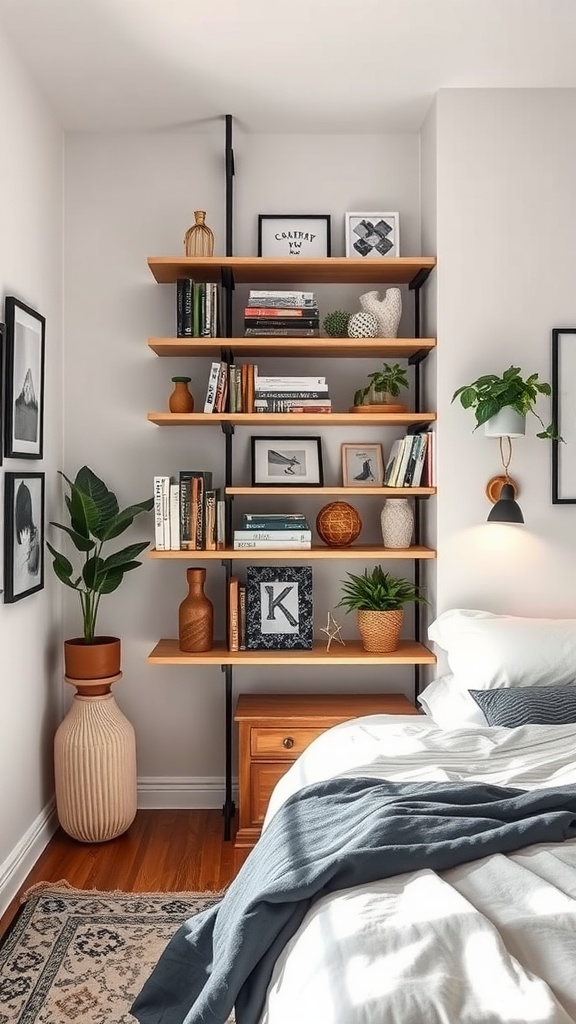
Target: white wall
(506, 216)
(31, 269)
(131, 197)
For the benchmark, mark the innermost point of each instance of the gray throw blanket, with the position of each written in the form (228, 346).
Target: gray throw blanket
(330, 836)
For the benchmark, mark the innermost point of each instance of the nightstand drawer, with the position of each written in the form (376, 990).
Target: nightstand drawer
(263, 778)
(287, 742)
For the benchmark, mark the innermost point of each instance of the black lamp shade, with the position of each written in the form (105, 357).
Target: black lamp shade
(506, 509)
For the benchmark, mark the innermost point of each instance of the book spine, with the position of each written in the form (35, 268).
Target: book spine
(301, 536)
(210, 521)
(209, 403)
(284, 517)
(277, 324)
(271, 311)
(412, 460)
(174, 517)
(179, 308)
(280, 298)
(207, 321)
(187, 291)
(233, 615)
(289, 405)
(220, 397)
(250, 388)
(283, 332)
(420, 460)
(220, 524)
(159, 533)
(320, 392)
(270, 524)
(196, 309)
(284, 383)
(271, 545)
(242, 615)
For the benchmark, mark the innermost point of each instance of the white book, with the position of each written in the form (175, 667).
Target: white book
(271, 545)
(174, 516)
(285, 383)
(161, 529)
(301, 536)
(211, 389)
(420, 460)
(402, 463)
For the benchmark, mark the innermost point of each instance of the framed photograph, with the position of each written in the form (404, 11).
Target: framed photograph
(23, 535)
(564, 415)
(287, 461)
(24, 390)
(362, 465)
(372, 235)
(293, 234)
(279, 608)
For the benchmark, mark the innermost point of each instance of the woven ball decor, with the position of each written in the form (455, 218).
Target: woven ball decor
(363, 325)
(338, 524)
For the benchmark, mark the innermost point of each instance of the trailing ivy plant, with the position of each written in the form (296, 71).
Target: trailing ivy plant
(377, 591)
(489, 394)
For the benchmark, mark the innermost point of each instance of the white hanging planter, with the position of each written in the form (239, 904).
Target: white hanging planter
(506, 423)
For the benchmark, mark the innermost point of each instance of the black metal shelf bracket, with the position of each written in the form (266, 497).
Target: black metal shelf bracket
(229, 807)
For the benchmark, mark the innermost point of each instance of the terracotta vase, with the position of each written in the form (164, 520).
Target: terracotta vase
(181, 399)
(199, 239)
(195, 615)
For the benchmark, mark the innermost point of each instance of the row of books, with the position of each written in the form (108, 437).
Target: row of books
(198, 309)
(188, 513)
(281, 313)
(271, 531)
(411, 461)
(233, 388)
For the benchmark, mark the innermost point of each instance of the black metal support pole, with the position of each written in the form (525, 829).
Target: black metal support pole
(229, 806)
(229, 158)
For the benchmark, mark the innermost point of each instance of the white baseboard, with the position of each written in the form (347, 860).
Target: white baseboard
(167, 793)
(23, 857)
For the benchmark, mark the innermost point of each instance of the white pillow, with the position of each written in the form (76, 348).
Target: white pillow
(486, 651)
(449, 704)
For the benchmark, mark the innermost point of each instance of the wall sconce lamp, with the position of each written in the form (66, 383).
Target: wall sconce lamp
(502, 491)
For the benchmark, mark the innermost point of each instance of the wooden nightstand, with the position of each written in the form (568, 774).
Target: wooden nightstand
(274, 729)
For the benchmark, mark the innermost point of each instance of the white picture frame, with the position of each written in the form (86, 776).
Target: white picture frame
(372, 235)
(287, 461)
(294, 234)
(362, 465)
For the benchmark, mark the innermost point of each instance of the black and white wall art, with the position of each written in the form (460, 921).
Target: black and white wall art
(23, 535)
(564, 415)
(362, 465)
(372, 235)
(279, 608)
(287, 461)
(24, 393)
(294, 234)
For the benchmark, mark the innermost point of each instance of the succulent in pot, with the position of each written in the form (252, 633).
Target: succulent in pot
(379, 598)
(95, 518)
(502, 403)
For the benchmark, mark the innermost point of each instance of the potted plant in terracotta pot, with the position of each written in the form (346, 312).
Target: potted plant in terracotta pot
(383, 388)
(379, 599)
(95, 519)
(502, 403)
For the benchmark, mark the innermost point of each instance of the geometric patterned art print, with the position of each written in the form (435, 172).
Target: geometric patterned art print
(279, 608)
(372, 235)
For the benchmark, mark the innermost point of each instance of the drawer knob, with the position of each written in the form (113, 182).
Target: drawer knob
(288, 742)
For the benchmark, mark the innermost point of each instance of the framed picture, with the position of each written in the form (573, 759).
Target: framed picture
(24, 391)
(287, 461)
(362, 465)
(564, 415)
(23, 535)
(279, 608)
(293, 234)
(372, 235)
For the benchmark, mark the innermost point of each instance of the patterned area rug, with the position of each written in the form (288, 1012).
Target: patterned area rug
(80, 956)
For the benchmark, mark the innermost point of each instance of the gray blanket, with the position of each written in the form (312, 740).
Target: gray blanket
(330, 836)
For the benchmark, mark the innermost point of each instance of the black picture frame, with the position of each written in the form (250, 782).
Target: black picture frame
(286, 461)
(25, 334)
(294, 234)
(2, 371)
(279, 608)
(564, 398)
(23, 535)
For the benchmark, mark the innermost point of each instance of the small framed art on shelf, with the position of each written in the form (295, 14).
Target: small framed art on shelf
(294, 234)
(23, 535)
(372, 235)
(287, 461)
(279, 607)
(24, 391)
(362, 465)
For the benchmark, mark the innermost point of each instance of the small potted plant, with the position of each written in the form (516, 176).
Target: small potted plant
(94, 519)
(379, 599)
(384, 386)
(502, 403)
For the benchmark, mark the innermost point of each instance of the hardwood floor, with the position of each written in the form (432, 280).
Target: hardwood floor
(162, 851)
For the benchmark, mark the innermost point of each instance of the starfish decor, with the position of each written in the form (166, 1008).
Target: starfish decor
(332, 630)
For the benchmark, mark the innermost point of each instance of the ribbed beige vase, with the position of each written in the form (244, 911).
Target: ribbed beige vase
(95, 766)
(380, 631)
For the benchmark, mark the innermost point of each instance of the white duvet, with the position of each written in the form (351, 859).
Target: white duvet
(490, 941)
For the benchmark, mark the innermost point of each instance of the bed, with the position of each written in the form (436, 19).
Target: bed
(490, 937)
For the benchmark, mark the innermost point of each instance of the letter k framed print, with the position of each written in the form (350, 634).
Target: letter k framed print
(279, 609)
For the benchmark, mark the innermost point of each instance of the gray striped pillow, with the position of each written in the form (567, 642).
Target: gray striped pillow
(527, 705)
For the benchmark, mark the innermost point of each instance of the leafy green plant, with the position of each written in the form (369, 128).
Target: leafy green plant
(95, 519)
(336, 323)
(489, 394)
(390, 379)
(377, 591)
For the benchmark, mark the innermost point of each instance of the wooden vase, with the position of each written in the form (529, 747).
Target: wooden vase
(181, 399)
(199, 239)
(195, 615)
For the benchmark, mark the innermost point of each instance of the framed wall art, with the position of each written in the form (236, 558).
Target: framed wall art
(279, 607)
(362, 465)
(23, 535)
(372, 235)
(287, 462)
(294, 234)
(24, 384)
(564, 415)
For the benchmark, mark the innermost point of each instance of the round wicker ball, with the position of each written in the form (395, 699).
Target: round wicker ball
(363, 325)
(338, 524)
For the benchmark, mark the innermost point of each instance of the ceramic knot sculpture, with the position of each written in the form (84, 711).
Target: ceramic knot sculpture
(387, 310)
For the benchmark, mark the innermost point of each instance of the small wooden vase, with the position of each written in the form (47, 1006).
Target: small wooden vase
(181, 399)
(199, 239)
(195, 616)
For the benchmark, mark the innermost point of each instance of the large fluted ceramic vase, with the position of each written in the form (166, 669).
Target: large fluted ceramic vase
(397, 522)
(387, 310)
(196, 615)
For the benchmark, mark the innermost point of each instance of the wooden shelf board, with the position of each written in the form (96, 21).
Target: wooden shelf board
(253, 419)
(167, 652)
(381, 492)
(397, 348)
(291, 555)
(297, 270)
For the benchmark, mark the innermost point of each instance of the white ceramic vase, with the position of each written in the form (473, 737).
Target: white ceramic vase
(397, 522)
(506, 423)
(387, 310)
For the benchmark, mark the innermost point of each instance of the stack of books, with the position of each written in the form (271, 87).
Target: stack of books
(291, 394)
(282, 314)
(273, 531)
(410, 461)
(188, 513)
(198, 309)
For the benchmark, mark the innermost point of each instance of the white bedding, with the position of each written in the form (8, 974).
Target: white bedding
(490, 941)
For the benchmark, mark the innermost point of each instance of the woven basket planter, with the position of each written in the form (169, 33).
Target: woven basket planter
(380, 631)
